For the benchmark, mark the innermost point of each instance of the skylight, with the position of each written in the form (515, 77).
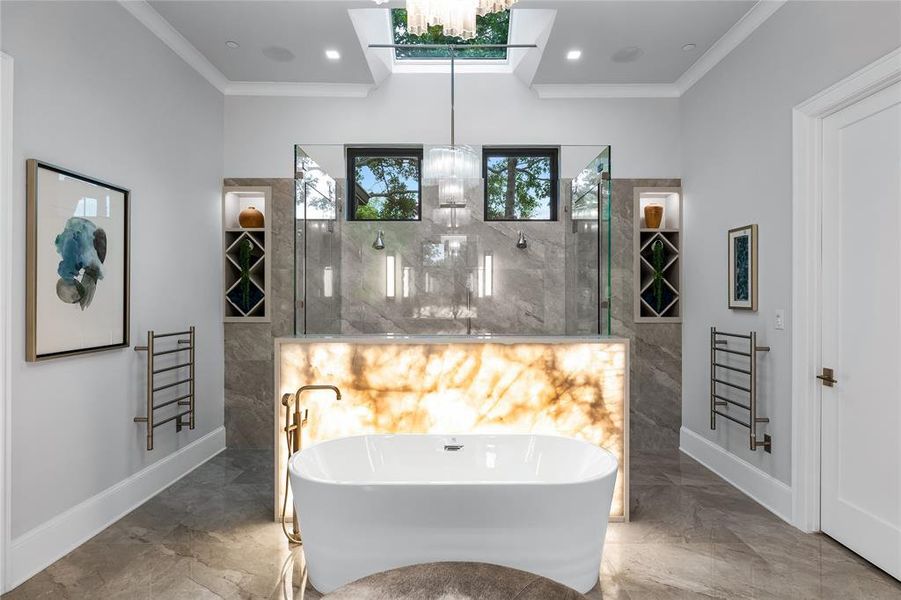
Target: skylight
(493, 28)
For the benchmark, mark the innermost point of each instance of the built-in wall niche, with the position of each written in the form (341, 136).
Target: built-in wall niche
(245, 242)
(657, 255)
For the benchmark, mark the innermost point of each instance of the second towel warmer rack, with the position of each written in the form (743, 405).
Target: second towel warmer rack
(180, 401)
(720, 400)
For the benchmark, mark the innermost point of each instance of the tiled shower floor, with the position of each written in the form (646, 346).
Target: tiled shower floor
(692, 535)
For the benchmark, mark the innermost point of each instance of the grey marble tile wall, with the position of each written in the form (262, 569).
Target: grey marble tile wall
(656, 352)
(249, 347)
(529, 297)
(437, 264)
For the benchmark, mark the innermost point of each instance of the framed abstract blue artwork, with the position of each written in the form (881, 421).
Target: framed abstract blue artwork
(743, 268)
(77, 264)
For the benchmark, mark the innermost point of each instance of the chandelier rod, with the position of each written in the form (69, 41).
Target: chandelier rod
(453, 49)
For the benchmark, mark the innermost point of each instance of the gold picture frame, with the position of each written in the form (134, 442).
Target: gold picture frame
(94, 271)
(742, 276)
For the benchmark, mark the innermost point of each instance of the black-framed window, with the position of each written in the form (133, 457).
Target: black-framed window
(384, 184)
(520, 184)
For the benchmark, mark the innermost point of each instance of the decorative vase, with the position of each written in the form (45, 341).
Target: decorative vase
(251, 218)
(653, 215)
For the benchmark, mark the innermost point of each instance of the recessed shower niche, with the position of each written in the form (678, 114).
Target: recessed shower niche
(415, 265)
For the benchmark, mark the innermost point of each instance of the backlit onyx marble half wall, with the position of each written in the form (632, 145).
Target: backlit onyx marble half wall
(422, 385)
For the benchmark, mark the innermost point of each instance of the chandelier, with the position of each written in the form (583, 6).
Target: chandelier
(451, 167)
(457, 17)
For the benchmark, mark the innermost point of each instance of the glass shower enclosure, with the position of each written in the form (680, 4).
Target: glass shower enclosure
(451, 271)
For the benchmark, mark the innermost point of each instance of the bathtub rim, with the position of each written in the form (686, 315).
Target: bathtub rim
(298, 456)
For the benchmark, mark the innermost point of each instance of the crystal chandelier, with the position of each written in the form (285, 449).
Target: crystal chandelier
(451, 167)
(457, 17)
(443, 162)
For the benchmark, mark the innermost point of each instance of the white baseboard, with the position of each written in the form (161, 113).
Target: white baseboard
(35, 550)
(765, 489)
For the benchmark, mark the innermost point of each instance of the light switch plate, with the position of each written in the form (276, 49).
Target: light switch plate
(780, 318)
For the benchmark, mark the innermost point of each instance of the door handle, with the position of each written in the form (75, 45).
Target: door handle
(828, 377)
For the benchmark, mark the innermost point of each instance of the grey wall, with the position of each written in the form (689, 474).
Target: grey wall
(490, 109)
(97, 93)
(737, 144)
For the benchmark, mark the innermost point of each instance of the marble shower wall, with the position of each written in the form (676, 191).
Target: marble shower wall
(537, 306)
(656, 350)
(530, 292)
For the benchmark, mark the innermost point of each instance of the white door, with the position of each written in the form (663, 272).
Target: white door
(861, 328)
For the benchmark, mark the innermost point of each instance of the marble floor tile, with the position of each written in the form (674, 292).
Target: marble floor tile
(692, 537)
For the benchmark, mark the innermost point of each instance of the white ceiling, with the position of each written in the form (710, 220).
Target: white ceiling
(660, 29)
(305, 29)
(284, 42)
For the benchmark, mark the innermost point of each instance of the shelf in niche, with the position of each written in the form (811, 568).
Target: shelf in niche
(669, 234)
(235, 199)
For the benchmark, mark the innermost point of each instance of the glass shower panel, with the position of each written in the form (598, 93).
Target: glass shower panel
(451, 272)
(317, 255)
(588, 247)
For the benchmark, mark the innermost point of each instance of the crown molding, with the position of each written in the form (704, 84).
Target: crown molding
(549, 91)
(310, 90)
(160, 27)
(872, 78)
(744, 27)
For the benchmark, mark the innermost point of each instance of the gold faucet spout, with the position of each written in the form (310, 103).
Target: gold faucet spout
(286, 398)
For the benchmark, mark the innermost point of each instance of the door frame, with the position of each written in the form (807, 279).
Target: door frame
(6, 247)
(807, 204)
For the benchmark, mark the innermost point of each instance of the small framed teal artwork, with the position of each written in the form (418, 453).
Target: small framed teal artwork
(77, 264)
(743, 268)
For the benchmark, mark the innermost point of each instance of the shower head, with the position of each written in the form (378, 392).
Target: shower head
(521, 242)
(379, 243)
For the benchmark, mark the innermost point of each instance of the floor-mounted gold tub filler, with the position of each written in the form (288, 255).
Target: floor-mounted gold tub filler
(296, 419)
(573, 386)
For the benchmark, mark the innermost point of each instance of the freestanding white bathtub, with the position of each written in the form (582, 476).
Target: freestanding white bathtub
(376, 502)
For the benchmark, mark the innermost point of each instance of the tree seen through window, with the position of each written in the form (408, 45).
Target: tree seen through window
(520, 185)
(385, 184)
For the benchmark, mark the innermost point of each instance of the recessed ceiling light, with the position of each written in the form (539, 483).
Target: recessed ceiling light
(332, 54)
(574, 55)
(232, 44)
(688, 47)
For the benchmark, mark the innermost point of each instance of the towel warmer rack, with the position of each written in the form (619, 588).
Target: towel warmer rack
(180, 401)
(719, 343)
